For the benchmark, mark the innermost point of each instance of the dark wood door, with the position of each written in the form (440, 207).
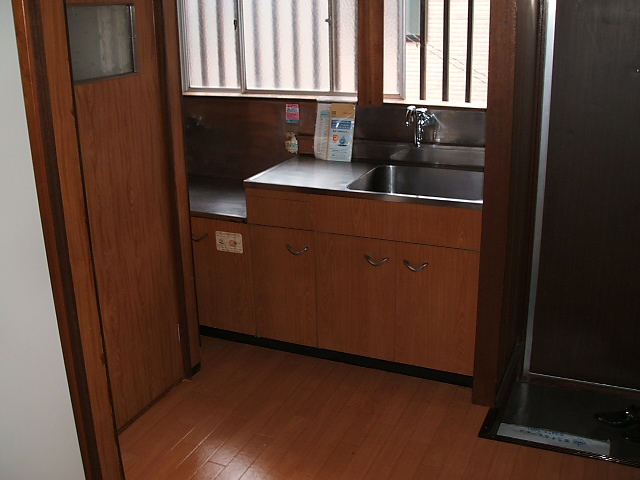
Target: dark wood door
(127, 177)
(587, 310)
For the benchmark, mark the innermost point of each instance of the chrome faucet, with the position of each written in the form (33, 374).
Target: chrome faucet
(420, 117)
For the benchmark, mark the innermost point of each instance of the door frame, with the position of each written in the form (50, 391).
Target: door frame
(49, 103)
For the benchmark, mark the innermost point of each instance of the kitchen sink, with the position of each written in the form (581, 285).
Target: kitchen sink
(421, 181)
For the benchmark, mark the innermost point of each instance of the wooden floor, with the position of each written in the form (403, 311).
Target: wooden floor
(254, 413)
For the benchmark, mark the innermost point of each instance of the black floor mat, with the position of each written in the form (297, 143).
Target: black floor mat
(562, 419)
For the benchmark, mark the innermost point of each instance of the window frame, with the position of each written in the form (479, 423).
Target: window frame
(243, 90)
(369, 72)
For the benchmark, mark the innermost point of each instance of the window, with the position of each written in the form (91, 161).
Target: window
(254, 46)
(435, 51)
(446, 52)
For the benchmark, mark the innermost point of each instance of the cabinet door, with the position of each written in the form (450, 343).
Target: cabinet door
(436, 307)
(284, 284)
(223, 275)
(356, 296)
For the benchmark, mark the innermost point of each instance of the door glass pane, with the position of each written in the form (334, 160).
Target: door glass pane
(101, 40)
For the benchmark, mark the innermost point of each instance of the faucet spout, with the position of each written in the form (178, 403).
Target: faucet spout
(420, 117)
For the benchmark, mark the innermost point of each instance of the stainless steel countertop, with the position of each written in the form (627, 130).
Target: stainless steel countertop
(218, 198)
(306, 174)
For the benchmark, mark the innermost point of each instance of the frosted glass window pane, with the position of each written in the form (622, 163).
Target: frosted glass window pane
(480, 54)
(345, 19)
(286, 44)
(458, 51)
(101, 41)
(435, 49)
(210, 43)
(393, 47)
(270, 45)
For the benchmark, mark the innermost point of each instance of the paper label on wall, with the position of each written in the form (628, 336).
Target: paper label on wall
(229, 242)
(292, 113)
(335, 124)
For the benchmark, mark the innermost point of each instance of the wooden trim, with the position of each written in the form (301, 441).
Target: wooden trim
(167, 15)
(43, 54)
(370, 52)
(500, 111)
(509, 193)
(367, 362)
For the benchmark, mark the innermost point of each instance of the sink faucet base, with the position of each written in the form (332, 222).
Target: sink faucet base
(420, 117)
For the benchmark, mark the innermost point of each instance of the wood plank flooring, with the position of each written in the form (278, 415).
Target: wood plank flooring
(254, 413)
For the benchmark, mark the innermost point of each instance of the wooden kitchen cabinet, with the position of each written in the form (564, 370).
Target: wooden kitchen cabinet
(356, 296)
(380, 309)
(285, 284)
(436, 307)
(223, 271)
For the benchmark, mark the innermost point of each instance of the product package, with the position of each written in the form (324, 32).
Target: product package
(333, 139)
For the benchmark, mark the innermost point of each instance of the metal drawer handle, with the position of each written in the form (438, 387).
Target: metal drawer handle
(199, 239)
(294, 252)
(415, 269)
(375, 264)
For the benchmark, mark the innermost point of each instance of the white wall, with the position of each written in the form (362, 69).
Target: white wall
(37, 432)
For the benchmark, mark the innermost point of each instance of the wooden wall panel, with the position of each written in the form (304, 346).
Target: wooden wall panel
(238, 137)
(370, 52)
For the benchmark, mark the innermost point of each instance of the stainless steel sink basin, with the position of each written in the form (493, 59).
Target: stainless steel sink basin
(422, 182)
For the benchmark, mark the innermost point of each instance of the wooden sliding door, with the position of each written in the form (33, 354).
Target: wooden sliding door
(128, 184)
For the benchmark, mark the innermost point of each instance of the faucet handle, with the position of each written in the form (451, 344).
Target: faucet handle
(430, 117)
(410, 116)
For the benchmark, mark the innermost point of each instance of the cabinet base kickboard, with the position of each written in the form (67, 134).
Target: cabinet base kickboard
(387, 366)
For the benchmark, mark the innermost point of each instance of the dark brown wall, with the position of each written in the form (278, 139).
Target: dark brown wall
(236, 137)
(239, 137)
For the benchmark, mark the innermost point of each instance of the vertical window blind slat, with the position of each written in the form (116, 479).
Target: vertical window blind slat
(424, 14)
(469, 64)
(446, 36)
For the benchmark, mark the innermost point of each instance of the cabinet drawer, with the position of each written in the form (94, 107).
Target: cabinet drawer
(278, 209)
(405, 222)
